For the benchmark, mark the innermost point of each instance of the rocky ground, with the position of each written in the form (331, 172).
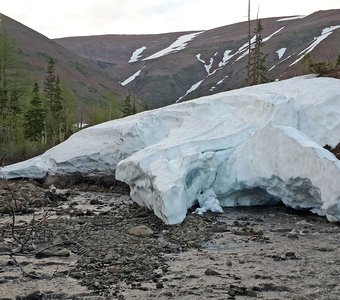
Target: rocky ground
(74, 243)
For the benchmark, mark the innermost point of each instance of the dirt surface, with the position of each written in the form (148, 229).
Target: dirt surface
(81, 244)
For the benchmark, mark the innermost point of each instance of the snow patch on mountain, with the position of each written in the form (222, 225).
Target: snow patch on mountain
(176, 46)
(281, 52)
(221, 81)
(244, 49)
(218, 83)
(199, 58)
(271, 35)
(290, 18)
(132, 77)
(208, 66)
(192, 88)
(326, 32)
(136, 54)
(226, 58)
(281, 61)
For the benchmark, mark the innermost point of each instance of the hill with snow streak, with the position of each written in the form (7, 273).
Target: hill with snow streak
(174, 67)
(252, 146)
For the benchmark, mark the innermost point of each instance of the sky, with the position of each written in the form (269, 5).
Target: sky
(63, 18)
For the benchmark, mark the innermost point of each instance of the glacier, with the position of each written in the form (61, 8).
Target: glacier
(257, 145)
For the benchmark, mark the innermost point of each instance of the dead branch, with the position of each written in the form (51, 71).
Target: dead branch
(33, 276)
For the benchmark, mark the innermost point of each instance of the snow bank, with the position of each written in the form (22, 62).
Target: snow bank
(256, 145)
(300, 173)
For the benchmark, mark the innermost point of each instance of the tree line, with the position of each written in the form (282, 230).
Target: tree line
(31, 119)
(35, 116)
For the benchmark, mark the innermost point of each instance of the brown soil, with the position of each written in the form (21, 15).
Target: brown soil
(80, 246)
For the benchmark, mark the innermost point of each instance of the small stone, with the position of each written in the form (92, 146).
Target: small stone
(11, 263)
(96, 202)
(116, 269)
(140, 231)
(292, 235)
(111, 256)
(260, 276)
(89, 212)
(219, 228)
(281, 230)
(76, 213)
(279, 258)
(38, 203)
(4, 248)
(248, 232)
(34, 296)
(158, 273)
(258, 231)
(159, 285)
(292, 256)
(250, 293)
(211, 272)
(50, 253)
(76, 275)
(11, 277)
(325, 249)
(2, 280)
(81, 221)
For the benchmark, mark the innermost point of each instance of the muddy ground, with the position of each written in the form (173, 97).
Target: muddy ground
(74, 243)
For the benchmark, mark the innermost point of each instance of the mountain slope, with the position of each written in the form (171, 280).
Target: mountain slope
(166, 68)
(89, 83)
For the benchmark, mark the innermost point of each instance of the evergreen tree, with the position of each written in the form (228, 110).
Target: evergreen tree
(35, 117)
(337, 63)
(257, 67)
(127, 107)
(145, 107)
(134, 108)
(12, 87)
(113, 107)
(53, 105)
(11, 84)
(68, 112)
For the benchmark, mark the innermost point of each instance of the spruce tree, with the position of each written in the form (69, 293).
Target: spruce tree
(257, 67)
(12, 85)
(112, 107)
(337, 63)
(134, 108)
(12, 88)
(145, 107)
(126, 107)
(53, 105)
(35, 117)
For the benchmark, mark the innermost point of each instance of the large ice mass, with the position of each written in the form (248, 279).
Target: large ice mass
(253, 146)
